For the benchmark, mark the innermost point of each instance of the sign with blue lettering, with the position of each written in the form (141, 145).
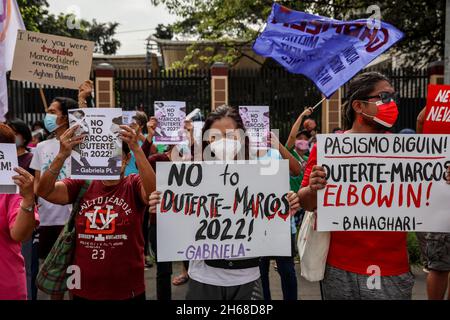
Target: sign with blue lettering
(327, 51)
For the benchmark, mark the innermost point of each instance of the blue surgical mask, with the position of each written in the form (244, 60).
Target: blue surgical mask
(50, 122)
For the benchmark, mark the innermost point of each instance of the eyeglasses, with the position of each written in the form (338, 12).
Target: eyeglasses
(386, 97)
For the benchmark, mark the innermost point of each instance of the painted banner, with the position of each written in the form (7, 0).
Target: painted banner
(8, 161)
(327, 51)
(99, 156)
(384, 182)
(127, 117)
(170, 116)
(52, 60)
(232, 210)
(257, 123)
(437, 116)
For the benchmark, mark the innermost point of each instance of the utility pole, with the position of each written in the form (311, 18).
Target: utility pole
(447, 44)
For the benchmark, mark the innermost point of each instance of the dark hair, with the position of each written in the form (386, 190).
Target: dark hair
(6, 134)
(125, 148)
(21, 128)
(66, 104)
(305, 133)
(221, 112)
(359, 87)
(39, 123)
(141, 118)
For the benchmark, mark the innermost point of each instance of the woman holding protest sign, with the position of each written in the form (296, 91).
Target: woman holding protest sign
(224, 139)
(357, 260)
(18, 218)
(109, 250)
(53, 217)
(164, 269)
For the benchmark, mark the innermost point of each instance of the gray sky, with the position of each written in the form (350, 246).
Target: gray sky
(131, 14)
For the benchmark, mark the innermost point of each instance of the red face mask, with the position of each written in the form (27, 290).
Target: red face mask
(387, 113)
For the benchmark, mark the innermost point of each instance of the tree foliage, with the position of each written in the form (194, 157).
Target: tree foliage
(422, 21)
(37, 18)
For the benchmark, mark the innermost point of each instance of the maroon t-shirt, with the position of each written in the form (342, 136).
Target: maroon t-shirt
(109, 241)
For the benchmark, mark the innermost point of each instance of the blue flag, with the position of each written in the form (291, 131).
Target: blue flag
(327, 51)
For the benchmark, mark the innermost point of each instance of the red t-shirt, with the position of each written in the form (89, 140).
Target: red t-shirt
(110, 244)
(355, 251)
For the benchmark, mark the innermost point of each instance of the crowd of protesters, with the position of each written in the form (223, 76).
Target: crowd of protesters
(32, 220)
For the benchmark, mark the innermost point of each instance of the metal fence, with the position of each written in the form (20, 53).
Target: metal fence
(25, 102)
(287, 94)
(139, 89)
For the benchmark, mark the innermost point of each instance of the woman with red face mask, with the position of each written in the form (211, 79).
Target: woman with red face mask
(353, 256)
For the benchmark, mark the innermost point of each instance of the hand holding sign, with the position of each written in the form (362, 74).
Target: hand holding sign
(25, 181)
(317, 179)
(130, 137)
(67, 141)
(151, 126)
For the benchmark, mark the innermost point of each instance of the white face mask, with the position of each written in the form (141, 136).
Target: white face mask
(226, 149)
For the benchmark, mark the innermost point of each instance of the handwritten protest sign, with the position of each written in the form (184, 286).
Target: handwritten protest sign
(211, 211)
(99, 156)
(52, 60)
(437, 116)
(127, 117)
(8, 161)
(384, 182)
(170, 116)
(256, 122)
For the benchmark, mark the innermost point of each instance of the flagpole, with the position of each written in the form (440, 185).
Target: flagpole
(44, 100)
(319, 103)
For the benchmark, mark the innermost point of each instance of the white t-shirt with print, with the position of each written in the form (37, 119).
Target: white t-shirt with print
(50, 214)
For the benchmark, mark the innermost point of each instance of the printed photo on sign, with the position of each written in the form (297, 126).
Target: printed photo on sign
(257, 124)
(8, 161)
(51, 60)
(99, 156)
(384, 182)
(127, 117)
(437, 115)
(170, 116)
(216, 210)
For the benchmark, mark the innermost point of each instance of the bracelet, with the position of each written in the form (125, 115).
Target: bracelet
(55, 173)
(27, 209)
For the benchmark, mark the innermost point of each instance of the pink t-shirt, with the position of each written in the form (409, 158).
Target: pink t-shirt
(12, 268)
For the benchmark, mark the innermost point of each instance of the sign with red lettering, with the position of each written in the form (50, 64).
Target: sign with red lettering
(51, 60)
(437, 116)
(384, 182)
(218, 210)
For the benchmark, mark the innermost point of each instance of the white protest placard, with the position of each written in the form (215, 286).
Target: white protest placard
(52, 60)
(99, 156)
(8, 161)
(232, 210)
(127, 117)
(170, 116)
(257, 123)
(384, 182)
